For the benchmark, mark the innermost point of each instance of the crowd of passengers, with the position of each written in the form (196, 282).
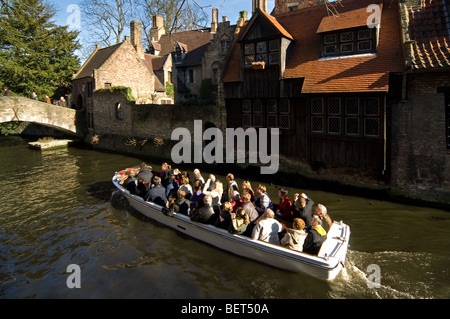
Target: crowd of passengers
(237, 209)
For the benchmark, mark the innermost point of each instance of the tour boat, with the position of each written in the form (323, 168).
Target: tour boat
(326, 265)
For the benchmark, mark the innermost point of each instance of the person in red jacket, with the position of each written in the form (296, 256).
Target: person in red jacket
(284, 210)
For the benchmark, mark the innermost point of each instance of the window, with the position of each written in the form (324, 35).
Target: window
(262, 51)
(347, 116)
(108, 85)
(270, 113)
(119, 111)
(348, 42)
(191, 76)
(224, 46)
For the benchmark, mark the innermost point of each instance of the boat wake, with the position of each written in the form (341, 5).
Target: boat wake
(402, 275)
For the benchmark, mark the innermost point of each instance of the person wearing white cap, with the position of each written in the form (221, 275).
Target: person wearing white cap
(302, 207)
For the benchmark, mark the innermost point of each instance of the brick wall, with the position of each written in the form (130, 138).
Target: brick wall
(125, 69)
(420, 159)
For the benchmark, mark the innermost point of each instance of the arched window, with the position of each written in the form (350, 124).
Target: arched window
(119, 111)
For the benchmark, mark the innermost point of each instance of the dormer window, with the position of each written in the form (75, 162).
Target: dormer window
(262, 51)
(349, 42)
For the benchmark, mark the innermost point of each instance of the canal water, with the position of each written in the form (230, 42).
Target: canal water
(55, 212)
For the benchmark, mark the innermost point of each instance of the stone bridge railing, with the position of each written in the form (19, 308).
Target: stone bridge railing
(14, 108)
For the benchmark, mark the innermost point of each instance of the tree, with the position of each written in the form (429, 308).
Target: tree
(107, 19)
(179, 15)
(35, 54)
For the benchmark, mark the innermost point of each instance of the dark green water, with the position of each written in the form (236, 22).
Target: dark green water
(50, 218)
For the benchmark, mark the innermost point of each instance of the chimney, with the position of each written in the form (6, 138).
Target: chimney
(157, 30)
(136, 37)
(259, 4)
(215, 20)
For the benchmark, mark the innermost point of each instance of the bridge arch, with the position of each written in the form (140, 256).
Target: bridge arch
(20, 109)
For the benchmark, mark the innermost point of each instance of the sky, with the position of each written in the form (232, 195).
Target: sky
(228, 8)
(66, 14)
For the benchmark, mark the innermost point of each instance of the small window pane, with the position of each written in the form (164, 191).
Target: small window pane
(329, 49)
(347, 47)
(249, 59)
(274, 45)
(352, 126)
(317, 106)
(272, 121)
(246, 106)
(371, 107)
(285, 107)
(285, 121)
(272, 106)
(329, 39)
(261, 58)
(250, 48)
(334, 106)
(274, 58)
(257, 120)
(352, 106)
(364, 45)
(317, 124)
(334, 125)
(364, 34)
(257, 106)
(347, 36)
(246, 120)
(261, 47)
(371, 127)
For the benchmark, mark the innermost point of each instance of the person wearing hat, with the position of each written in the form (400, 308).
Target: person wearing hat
(302, 207)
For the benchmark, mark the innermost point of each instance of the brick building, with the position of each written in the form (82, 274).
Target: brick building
(123, 64)
(421, 118)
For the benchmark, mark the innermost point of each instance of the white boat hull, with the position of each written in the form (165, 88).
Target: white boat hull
(326, 265)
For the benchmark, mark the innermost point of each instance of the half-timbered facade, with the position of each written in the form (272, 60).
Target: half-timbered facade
(323, 80)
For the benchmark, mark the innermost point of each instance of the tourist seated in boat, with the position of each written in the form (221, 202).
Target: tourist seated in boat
(263, 201)
(295, 236)
(268, 228)
(198, 176)
(145, 172)
(239, 222)
(316, 236)
(216, 194)
(157, 194)
(197, 194)
(178, 175)
(224, 219)
(322, 212)
(229, 189)
(165, 174)
(302, 207)
(172, 187)
(179, 205)
(142, 187)
(236, 201)
(247, 186)
(213, 182)
(284, 210)
(205, 214)
(130, 182)
(248, 206)
(186, 186)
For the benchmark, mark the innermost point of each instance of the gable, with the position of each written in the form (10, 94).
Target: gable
(263, 26)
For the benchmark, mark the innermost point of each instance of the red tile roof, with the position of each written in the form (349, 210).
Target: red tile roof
(359, 73)
(429, 28)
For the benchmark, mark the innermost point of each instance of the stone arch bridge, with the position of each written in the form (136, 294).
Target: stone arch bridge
(20, 109)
